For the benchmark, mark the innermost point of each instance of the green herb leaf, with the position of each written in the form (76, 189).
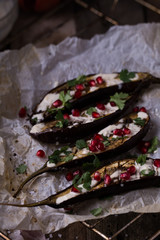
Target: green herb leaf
(55, 157)
(21, 168)
(75, 179)
(34, 120)
(59, 124)
(68, 158)
(78, 80)
(65, 97)
(51, 110)
(139, 122)
(126, 76)
(141, 159)
(91, 166)
(147, 172)
(96, 162)
(119, 99)
(80, 144)
(154, 145)
(61, 121)
(90, 110)
(96, 212)
(85, 179)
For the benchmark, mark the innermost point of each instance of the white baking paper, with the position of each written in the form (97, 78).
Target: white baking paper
(25, 76)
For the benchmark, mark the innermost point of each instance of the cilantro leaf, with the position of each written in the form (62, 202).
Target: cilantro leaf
(96, 212)
(21, 168)
(126, 76)
(141, 159)
(68, 158)
(96, 162)
(90, 110)
(61, 121)
(80, 79)
(91, 166)
(34, 120)
(147, 172)
(65, 97)
(139, 122)
(59, 124)
(55, 156)
(119, 99)
(86, 180)
(154, 145)
(80, 144)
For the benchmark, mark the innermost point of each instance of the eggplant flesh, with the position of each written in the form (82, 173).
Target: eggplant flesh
(144, 176)
(109, 145)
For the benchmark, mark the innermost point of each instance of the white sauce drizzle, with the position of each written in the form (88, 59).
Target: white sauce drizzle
(142, 115)
(37, 128)
(47, 101)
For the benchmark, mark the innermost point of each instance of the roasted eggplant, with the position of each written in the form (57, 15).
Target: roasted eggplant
(118, 177)
(110, 141)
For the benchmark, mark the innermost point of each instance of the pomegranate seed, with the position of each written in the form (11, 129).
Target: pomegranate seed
(125, 176)
(143, 150)
(100, 106)
(126, 131)
(78, 94)
(99, 80)
(136, 109)
(40, 153)
(75, 112)
(66, 116)
(113, 104)
(22, 112)
(157, 163)
(118, 132)
(98, 137)
(97, 176)
(100, 146)
(75, 190)
(131, 170)
(94, 142)
(107, 179)
(142, 109)
(69, 176)
(77, 172)
(92, 83)
(147, 144)
(57, 103)
(95, 115)
(92, 148)
(80, 87)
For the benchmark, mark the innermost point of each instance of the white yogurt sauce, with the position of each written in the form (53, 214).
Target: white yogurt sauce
(142, 115)
(38, 116)
(108, 130)
(134, 128)
(47, 101)
(50, 164)
(37, 128)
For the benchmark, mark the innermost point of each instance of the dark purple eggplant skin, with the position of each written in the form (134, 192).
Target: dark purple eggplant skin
(114, 189)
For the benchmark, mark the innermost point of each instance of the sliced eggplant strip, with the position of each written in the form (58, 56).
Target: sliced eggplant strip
(109, 142)
(115, 178)
(82, 92)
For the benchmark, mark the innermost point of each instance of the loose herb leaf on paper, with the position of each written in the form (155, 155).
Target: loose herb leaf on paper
(146, 172)
(126, 76)
(96, 212)
(141, 159)
(90, 110)
(139, 122)
(65, 97)
(80, 144)
(119, 99)
(154, 145)
(21, 168)
(80, 79)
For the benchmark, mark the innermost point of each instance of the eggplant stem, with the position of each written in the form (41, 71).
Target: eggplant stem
(38, 172)
(40, 203)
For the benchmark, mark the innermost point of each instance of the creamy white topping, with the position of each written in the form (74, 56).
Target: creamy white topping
(47, 101)
(37, 128)
(108, 130)
(134, 128)
(92, 89)
(116, 174)
(38, 116)
(142, 115)
(50, 164)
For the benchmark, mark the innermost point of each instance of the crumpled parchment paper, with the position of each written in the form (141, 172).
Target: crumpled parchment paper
(25, 76)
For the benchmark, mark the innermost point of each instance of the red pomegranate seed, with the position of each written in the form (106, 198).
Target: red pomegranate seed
(75, 112)
(125, 176)
(131, 170)
(78, 94)
(136, 109)
(80, 87)
(94, 142)
(143, 150)
(142, 109)
(126, 131)
(92, 148)
(147, 144)
(92, 83)
(97, 176)
(107, 179)
(99, 80)
(98, 137)
(95, 115)
(57, 103)
(100, 146)
(157, 163)
(113, 104)
(66, 116)
(118, 132)
(75, 190)
(69, 176)
(22, 112)
(77, 172)
(100, 106)
(40, 153)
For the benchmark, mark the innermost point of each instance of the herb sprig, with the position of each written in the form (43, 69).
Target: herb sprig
(139, 122)
(21, 168)
(154, 145)
(126, 76)
(141, 159)
(55, 156)
(119, 99)
(78, 80)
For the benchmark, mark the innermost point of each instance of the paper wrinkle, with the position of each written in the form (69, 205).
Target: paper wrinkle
(30, 73)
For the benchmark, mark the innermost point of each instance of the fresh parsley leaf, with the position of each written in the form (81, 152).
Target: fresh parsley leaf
(96, 212)
(78, 80)
(68, 158)
(61, 121)
(139, 122)
(154, 145)
(75, 179)
(55, 156)
(80, 144)
(90, 110)
(119, 99)
(147, 172)
(126, 76)
(21, 168)
(59, 124)
(51, 110)
(141, 159)
(34, 120)
(91, 166)
(96, 162)
(85, 179)
(65, 97)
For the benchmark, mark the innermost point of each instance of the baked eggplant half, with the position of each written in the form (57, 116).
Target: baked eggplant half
(109, 142)
(115, 178)
(82, 91)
